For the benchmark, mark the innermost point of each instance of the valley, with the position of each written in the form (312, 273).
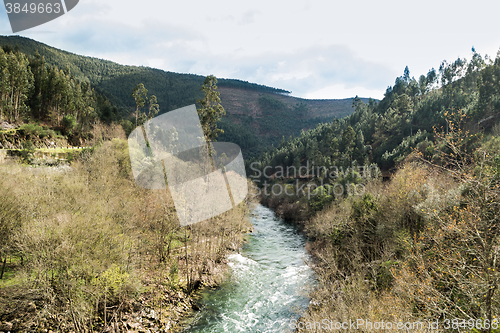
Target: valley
(407, 231)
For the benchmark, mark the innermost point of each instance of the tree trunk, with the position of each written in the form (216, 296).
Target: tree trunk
(3, 267)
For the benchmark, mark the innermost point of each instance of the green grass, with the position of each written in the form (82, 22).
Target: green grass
(11, 276)
(8, 131)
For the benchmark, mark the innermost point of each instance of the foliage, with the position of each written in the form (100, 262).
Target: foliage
(140, 95)
(406, 118)
(210, 110)
(321, 196)
(69, 124)
(35, 130)
(424, 246)
(250, 86)
(92, 242)
(33, 91)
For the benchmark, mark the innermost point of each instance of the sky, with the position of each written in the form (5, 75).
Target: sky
(315, 49)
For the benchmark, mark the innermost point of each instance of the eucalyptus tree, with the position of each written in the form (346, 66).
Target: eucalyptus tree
(140, 95)
(210, 110)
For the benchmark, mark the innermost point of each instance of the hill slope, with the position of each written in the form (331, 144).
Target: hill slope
(257, 115)
(260, 119)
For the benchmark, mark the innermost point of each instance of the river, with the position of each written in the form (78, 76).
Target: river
(268, 283)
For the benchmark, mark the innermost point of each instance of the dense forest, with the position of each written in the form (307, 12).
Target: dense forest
(46, 101)
(254, 135)
(385, 132)
(111, 85)
(419, 245)
(116, 82)
(24, 78)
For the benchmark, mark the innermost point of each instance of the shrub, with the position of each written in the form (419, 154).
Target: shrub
(33, 130)
(321, 196)
(69, 124)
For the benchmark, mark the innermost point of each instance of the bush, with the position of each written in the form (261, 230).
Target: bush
(94, 241)
(31, 130)
(321, 196)
(35, 131)
(69, 124)
(27, 151)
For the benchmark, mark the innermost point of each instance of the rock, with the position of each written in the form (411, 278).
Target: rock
(6, 125)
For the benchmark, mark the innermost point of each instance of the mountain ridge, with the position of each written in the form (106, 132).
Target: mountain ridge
(259, 114)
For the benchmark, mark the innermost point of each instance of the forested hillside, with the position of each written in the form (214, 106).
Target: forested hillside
(258, 120)
(32, 91)
(421, 245)
(257, 116)
(385, 132)
(116, 81)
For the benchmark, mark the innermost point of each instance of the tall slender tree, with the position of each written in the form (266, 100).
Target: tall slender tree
(140, 94)
(210, 110)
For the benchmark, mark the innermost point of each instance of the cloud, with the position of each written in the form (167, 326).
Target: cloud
(141, 43)
(306, 72)
(227, 18)
(248, 17)
(99, 30)
(309, 71)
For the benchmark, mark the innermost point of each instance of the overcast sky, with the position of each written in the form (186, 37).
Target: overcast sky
(316, 49)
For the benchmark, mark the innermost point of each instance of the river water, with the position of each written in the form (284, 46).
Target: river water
(268, 283)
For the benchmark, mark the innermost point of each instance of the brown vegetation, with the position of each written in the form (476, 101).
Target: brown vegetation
(423, 247)
(88, 250)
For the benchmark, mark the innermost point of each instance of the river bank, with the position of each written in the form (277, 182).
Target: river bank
(88, 250)
(266, 288)
(162, 304)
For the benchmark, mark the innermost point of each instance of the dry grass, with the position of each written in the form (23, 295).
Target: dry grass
(93, 243)
(384, 285)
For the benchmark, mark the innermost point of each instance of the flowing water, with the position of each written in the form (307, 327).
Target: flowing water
(268, 281)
